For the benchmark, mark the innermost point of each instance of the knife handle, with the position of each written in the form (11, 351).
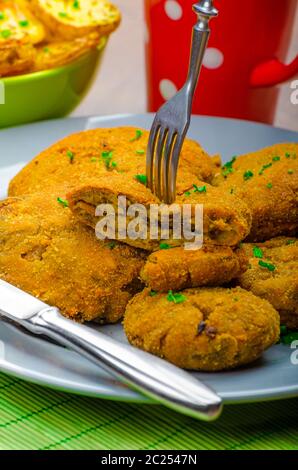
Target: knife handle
(154, 377)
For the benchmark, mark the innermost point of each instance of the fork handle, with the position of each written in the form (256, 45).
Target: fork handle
(200, 36)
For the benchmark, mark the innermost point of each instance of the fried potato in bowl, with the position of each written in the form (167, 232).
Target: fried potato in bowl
(69, 19)
(16, 57)
(57, 54)
(17, 22)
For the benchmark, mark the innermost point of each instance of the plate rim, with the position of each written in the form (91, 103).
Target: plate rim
(29, 375)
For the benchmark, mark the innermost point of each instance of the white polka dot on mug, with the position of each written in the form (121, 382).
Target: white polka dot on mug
(213, 58)
(173, 10)
(167, 89)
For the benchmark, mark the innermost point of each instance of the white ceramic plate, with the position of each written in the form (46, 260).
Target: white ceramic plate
(33, 359)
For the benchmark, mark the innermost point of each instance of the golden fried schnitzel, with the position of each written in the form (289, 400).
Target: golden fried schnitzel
(273, 275)
(179, 269)
(267, 181)
(46, 252)
(208, 329)
(226, 218)
(76, 159)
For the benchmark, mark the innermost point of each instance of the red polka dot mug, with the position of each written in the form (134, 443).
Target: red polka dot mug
(243, 64)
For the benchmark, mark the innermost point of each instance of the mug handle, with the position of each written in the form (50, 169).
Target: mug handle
(273, 72)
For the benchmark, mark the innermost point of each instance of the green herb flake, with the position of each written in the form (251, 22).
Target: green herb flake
(112, 245)
(201, 189)
(114, 164)
(283, 330)
(141, 179)
(264, 167)
(2, 16)
(76, 5)
(268, 266)
(164, 246)
(93, 159)
(70, 155)
(287, 155)
(46, 49)
(63, 202)
(247, 175)
(257, 252)
(269, 185)
(107, 158)
(177, 297)
(62, 14)
(140, 152)
(228, 167)
(290, 172)
(138, 135)
(289, 337)
(152, 293)
(290, 242)
(188, 193)
(276, 159)
(6, 33)
(24, 23)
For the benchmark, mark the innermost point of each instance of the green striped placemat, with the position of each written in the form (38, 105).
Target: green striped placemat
(33, 417)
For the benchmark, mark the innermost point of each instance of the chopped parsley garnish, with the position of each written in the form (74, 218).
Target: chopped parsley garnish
(93, 159)
(164, 246)
(140, 152)
(247, 175)
(141, 179)
(76, 5)
(24, 23)
(114, 164)
(268, 266)
(288, 337)
(63, 202)
(46, 49)
(275, 159)
(6, 33)
(138, 135)
(257, 252)
(177, 297)
(70, 155)
(290, 242)
(152, 293)
(62, 14)
(107, 158)
(112, 245)
(269, 185)
(201, 189)
(228, 167)
(290, 171)
(287, 155)
(264, 167)
(2, 15)
(188, 193)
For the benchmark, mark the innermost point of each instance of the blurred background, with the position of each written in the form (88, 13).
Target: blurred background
(120, 86)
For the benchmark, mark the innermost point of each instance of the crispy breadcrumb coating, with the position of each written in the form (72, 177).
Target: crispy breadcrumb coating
(46, 252)
(267, 181)
(208, 329)
(273, 275)
(179, 269)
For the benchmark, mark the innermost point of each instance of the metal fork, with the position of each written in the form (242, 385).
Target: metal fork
(172, 121)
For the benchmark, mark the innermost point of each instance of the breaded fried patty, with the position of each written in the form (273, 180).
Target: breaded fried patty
(208, 329)
(179, 269)
(46, 252)
(273, 275)
(226, 218)
(75, 160)
(267, 181)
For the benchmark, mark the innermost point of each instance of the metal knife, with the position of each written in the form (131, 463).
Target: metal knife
(151, 376)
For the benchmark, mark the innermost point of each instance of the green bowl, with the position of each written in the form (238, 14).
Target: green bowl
(49, 94)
